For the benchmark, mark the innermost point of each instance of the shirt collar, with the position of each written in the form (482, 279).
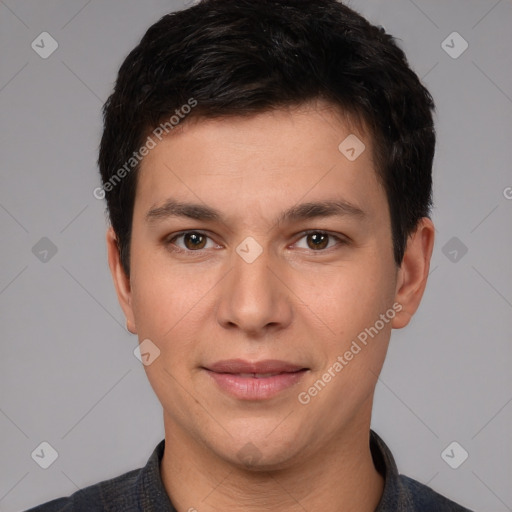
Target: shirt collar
(150, 487)
(395, 496)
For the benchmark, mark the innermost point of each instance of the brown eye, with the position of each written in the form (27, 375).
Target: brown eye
(317, 241)
(321, 241)
(194, 241)
(189, 242)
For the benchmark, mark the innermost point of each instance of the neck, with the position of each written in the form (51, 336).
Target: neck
(341, 476)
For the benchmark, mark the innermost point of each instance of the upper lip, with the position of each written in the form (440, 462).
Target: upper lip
(242, 366)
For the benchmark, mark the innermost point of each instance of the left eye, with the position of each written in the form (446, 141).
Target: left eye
(318, 240)
(192, 241)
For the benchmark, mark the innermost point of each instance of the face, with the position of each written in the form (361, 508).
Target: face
(262, 270)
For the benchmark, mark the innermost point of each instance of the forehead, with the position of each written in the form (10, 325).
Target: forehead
(264, 161)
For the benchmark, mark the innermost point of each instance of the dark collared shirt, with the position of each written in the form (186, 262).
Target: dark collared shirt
(142, 490)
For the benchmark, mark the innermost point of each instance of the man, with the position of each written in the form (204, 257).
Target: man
(267, 169)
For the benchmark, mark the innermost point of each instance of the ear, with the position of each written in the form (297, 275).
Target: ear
(413, 273)
(121, 280)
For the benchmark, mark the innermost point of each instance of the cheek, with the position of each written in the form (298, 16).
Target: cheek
(159, 295)
(169, 300)
(348, 297)
(355, 346)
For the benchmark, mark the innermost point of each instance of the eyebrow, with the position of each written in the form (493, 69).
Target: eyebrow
(303, 211)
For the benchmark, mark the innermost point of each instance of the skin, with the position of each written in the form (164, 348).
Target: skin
(295, 302)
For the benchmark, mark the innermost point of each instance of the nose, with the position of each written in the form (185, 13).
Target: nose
(254, 298)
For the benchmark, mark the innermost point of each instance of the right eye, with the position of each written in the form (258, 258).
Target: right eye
(191, 241)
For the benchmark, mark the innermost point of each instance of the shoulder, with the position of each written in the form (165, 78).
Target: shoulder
(402, 493)
(130, 492)
(422, 497)
(113, 495)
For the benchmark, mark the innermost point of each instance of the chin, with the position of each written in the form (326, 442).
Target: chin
(258, 455)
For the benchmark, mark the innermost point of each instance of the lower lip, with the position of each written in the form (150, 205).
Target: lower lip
(250, 388)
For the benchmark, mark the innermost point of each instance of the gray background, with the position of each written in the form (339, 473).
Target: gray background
(68, 375)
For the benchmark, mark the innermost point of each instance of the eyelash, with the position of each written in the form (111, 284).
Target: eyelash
(340, 240)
